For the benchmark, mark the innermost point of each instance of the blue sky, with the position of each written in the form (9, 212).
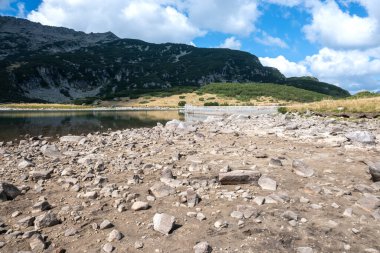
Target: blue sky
(337, 41)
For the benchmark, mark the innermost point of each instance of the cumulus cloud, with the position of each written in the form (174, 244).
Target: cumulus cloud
(268, 40)
(231, 43)
(334, 28)
(353, 70)
(289, 3)
(288, 68)
(150, 20)
(231, 16)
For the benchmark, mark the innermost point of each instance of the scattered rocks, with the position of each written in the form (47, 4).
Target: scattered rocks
(163, 223)
(45, 220)
(364, 137)
(161, 190)
(202, 247)
(369, 202)
(374, 169)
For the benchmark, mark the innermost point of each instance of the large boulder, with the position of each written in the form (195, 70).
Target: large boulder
(51, 151)
(163, 223)
(8, 191)
(363, 137)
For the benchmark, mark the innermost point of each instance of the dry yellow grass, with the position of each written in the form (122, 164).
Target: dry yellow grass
(190, 98)
(43, 106)
(360, 105)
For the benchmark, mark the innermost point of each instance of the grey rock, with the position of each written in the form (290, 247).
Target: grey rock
(192, 198)
(220, 224)
(363, 137)
(108, 248)
(139, 245)
(8, 191)
(140, 205)
(304, 250)
(167, 173)
(369, 202)
(374, 169)
(290, 215)
(115, 235)
(105, 224)
(71, 232)
(248, 211)
(41, 206)
(71, 138)
(301, 169)
(267, 183)
(273, 162)
(239, 177)
(202, 247)
(47, 219)
(37, 244)
(25, 164)
(51, 151)
(163, 223)
(26, 222)
(237, 215)
(40, 174)
(160, 190)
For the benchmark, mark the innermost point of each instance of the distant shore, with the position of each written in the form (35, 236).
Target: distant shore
(53, 109)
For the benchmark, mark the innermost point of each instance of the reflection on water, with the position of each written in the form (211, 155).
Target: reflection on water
(15, 124)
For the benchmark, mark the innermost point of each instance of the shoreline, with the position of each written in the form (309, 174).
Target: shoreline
(8, 109)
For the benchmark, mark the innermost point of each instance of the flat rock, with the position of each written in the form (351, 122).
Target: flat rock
(301, 169)
(374, 170)
(108, 248)
(71, 138)
(304, 250)
(364, 137)
(115, 235)
(163, 223)
(368, 202)
(239, 177)
(192, 198)
(160, 190)
(25, 164)
(274, 162)
(105, 224)
(37, 244)
(202, 247)
(8, 191)
(26, 221)
(267, 183)
(71, 232)
(248, 211)
(40, 174)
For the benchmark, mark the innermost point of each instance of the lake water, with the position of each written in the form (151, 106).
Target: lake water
(15, 125)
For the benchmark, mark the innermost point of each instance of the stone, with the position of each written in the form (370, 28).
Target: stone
(259, 200)
(71, 232)
(163, 223)
(248, 211)
(105, 224)
(26, 222)
(347, 212)
(139, 205)
(115, 235)
(45, 220)
(290, 215)
(139, 245)
(374, 170)
(90, 195)
(368, 202)
(301, 169)
(304, 250)
(71, 138)
(108, 248)
(51, 151)
(161, 190)
(274, 162)
(8, 191)
(239, 177)
(40, 174)
(363, 137)
(221, 224)
(37, 244)
(202, 247)
(167, 173)
(41, 206)
(25, 164)
(267, 183)
(237, 215)
(192, 198)
(200, 216)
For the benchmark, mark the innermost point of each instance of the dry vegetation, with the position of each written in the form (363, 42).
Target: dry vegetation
(359, 105)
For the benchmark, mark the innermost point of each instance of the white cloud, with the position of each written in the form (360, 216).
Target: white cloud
(288, 68)
(353, 70)
(21, 10)
(268, 40)
(150, 20)
(337, 29)
(231, 43)
(231, 16)
(5, 4)
(289, 3)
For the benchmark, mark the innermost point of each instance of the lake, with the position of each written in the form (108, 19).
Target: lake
(16, 124)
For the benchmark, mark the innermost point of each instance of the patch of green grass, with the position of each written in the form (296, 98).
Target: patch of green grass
(181, 103)
(211, 104)
(247, 91)
(201, 99)
(182, 97)
(144, 102)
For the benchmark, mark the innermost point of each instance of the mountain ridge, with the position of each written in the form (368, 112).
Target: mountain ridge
(44, 63)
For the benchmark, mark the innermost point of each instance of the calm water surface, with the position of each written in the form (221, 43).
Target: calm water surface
(14, 125)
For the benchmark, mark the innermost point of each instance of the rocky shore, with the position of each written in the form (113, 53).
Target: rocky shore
(267, 183)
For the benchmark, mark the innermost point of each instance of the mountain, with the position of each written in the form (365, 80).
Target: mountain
(55, 64)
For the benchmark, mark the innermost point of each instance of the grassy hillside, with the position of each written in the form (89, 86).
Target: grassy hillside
(313, 84)
(248, 91)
